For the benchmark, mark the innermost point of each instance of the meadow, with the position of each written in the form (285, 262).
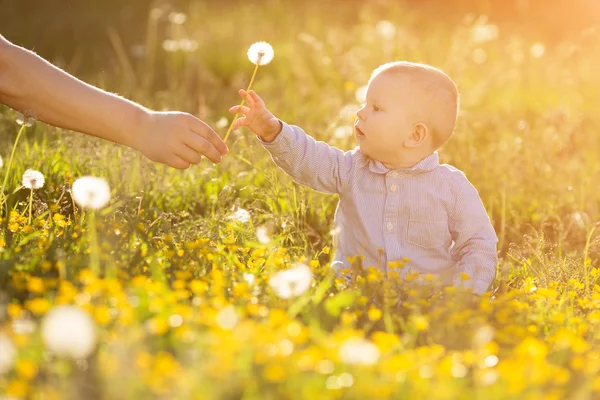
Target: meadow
(174, 289)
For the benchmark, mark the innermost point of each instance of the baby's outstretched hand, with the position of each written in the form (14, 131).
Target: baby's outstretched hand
(257, 117)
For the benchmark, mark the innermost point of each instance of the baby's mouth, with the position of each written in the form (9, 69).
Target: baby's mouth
(359, 133)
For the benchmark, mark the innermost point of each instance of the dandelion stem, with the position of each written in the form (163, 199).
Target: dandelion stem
(30, 203)
(10, 160)
(94, 252)
(586, 260)
(242, 103)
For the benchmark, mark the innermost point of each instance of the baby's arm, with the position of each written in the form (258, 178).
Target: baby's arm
(309, 162)
(474, 239)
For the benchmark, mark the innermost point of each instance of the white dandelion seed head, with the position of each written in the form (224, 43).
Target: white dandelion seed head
(483, 32)
(241, 215)
(361, 94)
(358, 351)
(7, 354)
(170, 45)
(292, 282)
(348, 113)
(227, 318)
(177, 18)
(24, 120)
(479, 56)
(91, 192)
(1, 162)
(261, 53)
(222, 123)
(33, 179)
(156, 13)
(537, 50)
(335, 231)
(188, 45)
(69, 331)
(484, 335)
(262, 235)
(343, 131)
(249, 278)
(386, 29)
(24, 325)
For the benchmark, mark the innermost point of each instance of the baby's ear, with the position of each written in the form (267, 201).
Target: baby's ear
(419, 135)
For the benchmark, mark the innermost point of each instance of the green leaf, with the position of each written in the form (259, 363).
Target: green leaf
(335, 304)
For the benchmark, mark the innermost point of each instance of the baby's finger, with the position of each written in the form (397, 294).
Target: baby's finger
(256, 99)
(242, 110)
(248, 99)
(243, 121)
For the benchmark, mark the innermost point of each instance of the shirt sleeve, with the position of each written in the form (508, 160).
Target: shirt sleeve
(309, 162)
(474, 240)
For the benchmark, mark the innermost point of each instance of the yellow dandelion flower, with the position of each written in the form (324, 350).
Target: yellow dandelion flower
(14, 310)
(464, 276)
(157, 326)
(26, 368)
(411, 276)
(532, 348)
(17, 389)
(35, 285)
(420, 323)
(386, 341)
(374, 314)
(143, 361)
(38, 306)
(102, 315)
(274, 373)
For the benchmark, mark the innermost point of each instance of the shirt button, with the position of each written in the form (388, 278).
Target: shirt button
(393, 188)
(390, 226)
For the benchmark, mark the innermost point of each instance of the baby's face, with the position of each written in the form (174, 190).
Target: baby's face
(386, 119)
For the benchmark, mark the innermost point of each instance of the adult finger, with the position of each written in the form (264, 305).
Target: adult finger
(189, 154)
(198, 126)
(199, 145)
(178, 162)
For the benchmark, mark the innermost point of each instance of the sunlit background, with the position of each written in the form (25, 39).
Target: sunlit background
(192, 306)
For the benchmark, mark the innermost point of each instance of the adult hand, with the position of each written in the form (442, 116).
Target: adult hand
(178, 139)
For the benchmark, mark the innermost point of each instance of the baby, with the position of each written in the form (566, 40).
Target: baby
(396, 202)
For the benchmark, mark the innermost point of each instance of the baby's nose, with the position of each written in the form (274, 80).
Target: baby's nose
(360, 114)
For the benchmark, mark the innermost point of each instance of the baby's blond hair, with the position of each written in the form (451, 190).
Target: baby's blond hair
(435, 93)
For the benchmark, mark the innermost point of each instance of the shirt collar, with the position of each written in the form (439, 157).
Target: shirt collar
(429, 163)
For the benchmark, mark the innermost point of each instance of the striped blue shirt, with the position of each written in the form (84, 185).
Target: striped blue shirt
(430, 213)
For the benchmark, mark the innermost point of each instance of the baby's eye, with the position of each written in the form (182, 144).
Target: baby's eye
(375, 108)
